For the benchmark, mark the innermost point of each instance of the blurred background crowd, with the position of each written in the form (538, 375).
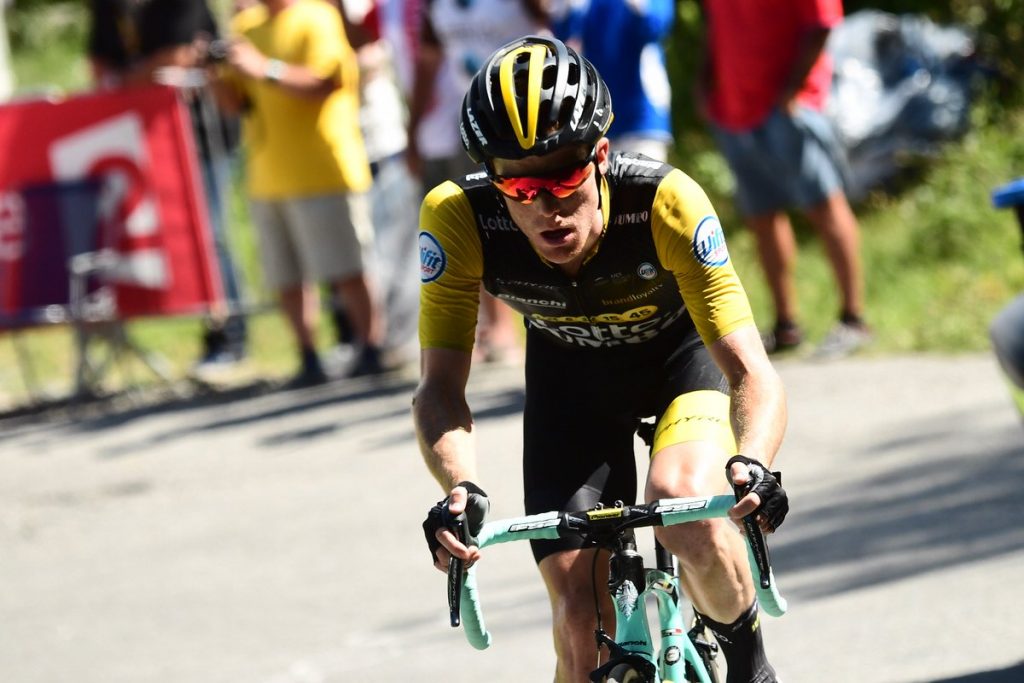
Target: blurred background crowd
(319, 125)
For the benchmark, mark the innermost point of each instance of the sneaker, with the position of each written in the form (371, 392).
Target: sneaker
(367, 363)
(842, 340)
(783, 337)
(312, 373)
(219, 361)
(219, 350)
(340, 357)
(307, 377)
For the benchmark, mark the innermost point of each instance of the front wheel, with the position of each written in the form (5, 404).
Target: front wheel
(624, 673)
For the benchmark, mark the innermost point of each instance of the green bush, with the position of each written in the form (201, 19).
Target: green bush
(36, 24)
(48, 44)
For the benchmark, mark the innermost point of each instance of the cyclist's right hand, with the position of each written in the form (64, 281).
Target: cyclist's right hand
(758, 492)
(467, 503)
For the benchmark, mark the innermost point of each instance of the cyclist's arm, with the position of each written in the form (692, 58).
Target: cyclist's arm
(451, 269)
(691, 243)
(758, 406)
(444, 424)
(444, 430)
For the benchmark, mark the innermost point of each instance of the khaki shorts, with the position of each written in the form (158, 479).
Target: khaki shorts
(312, 239)
(788, 160)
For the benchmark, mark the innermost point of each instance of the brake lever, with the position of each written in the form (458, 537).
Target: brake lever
(755, 536)
(456, 572)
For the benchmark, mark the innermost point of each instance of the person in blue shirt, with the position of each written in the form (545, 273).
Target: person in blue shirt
(622, 38)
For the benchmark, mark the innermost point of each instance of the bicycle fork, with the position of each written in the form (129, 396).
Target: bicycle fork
(627, 584)
(683, 655)
(679, 654)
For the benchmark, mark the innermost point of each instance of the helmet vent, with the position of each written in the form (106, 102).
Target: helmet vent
(534, 96)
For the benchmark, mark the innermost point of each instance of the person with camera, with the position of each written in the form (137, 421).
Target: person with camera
(170, 42)
(293, 73)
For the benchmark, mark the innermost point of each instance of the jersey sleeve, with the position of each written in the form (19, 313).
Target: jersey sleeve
(690, 242)
(451, 269)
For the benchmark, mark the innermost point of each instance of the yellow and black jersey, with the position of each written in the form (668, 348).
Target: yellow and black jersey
(661, 266)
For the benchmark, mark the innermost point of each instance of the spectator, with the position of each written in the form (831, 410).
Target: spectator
(294, 74)
(135, 43)
(456, 38)
(764, 88)
(622, 39)
(395, 193)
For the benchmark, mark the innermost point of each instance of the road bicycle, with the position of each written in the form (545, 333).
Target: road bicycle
(682, 654)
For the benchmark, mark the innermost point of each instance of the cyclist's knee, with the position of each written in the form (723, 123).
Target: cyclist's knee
(700, 546)
(694, 468)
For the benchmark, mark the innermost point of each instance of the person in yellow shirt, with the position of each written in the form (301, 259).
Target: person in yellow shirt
(292, 72)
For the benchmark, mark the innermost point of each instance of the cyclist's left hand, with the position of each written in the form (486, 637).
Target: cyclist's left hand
(764, 496)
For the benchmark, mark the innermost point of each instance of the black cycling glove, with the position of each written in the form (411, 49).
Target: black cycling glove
(472, 519)
(766, 484)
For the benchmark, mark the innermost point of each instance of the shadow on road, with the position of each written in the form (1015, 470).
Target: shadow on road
(94, 413)
(208, 409)
(1013, 674)
(955, 499)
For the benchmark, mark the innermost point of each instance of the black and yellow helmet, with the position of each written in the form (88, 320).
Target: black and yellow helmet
(533, 96)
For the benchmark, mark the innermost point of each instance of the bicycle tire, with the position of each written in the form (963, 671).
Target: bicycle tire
(624, 673)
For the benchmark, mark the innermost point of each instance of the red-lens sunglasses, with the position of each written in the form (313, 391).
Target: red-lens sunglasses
(561, 183)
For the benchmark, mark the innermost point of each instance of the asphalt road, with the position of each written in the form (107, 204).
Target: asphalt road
(275, 538)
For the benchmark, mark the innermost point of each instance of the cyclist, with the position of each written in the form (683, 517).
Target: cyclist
(619, 266)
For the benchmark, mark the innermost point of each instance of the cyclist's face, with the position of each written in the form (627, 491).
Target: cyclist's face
(562, 230)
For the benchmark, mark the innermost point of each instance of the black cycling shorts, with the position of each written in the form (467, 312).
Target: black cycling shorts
(583, 407)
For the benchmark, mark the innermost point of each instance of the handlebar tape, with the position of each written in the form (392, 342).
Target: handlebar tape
(472, 614)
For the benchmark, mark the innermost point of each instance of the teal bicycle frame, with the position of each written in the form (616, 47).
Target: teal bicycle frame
(632, 644)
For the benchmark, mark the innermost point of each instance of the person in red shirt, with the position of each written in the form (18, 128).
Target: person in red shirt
(763, 88)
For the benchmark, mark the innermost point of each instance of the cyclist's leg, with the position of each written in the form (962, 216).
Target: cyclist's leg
(692, 443)
(578, 451)
(569, 577)
(693, 440)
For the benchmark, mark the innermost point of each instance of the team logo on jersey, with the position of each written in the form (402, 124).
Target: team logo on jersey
(432, 258)
(709, 242)
(647, 271)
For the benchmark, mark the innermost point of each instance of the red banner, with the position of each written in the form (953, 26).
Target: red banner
(114, 171)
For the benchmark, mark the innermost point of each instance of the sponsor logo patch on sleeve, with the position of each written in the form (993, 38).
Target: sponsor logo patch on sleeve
(432, 258)
(709, 242)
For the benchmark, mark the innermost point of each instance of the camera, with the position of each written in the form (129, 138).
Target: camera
(217, 51)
